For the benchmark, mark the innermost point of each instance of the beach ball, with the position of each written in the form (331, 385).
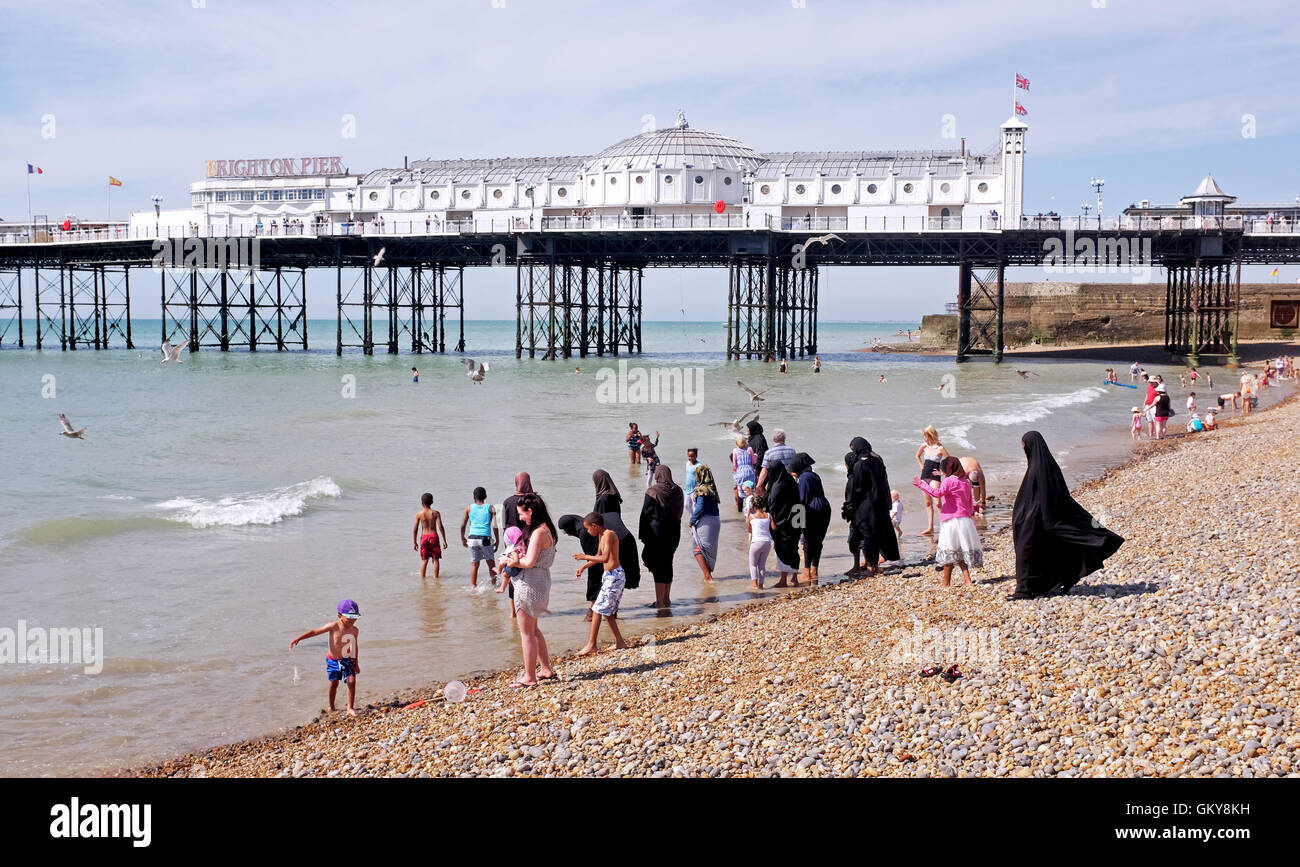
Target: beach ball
(719, 206)
(454, 692)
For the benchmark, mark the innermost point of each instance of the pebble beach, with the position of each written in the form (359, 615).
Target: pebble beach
(1172, 661)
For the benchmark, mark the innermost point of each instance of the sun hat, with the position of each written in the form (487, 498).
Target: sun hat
(1136, 409)
(349, 609)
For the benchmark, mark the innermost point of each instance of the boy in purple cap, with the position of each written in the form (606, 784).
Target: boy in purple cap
(341, 662)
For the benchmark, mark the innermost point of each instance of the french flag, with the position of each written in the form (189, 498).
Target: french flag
(34, 170)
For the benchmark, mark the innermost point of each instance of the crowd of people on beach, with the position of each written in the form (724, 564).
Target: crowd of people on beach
(786, 512)
(1157, 407)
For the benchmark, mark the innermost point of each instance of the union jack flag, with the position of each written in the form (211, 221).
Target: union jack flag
(1022, 82)
(1021, 111)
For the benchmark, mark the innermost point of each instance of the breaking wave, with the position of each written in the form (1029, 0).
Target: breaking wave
(265, 508)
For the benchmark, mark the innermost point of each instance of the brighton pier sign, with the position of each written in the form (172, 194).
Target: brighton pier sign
(286, 167)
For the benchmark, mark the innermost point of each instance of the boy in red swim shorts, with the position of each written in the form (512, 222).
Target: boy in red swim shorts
(426, 534)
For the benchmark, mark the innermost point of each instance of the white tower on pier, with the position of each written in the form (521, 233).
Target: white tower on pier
(1013, 172)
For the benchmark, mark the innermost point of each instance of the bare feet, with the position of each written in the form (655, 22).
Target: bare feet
(929, 532)
(586, 651)
(587, 618)
(622, 645)
(352, 711)
(781, 583)
(523, 684)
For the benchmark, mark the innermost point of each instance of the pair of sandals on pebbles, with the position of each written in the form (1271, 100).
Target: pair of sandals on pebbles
(949, 674)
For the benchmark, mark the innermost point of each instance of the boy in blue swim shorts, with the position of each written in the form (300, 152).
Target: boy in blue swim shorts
(612, 582)
(341, 662)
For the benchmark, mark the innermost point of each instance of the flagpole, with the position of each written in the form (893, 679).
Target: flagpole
(29, 200)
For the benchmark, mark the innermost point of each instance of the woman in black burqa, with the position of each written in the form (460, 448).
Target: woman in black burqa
(660, 531)
(1057, 541)
(866, 507)
(757, 442)
(608, 498)
(787, 523)
(817, 510)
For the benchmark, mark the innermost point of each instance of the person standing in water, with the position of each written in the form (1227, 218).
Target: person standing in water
(633, 444)
(427, 535)
(817, 512)
(817, 364)
(929, 457)
(660, 531)
(415, 375)
(705, 521)
(482, 538)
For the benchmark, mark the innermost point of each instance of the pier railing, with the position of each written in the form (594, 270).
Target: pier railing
(659, 222)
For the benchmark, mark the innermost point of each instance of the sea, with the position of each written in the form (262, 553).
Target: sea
(217, 508)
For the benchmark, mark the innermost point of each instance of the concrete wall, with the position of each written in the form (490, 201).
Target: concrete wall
(1057, 312)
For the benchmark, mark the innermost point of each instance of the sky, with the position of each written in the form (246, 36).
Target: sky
(1148, 95)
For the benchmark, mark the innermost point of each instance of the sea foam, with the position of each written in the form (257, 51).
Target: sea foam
(264, 507)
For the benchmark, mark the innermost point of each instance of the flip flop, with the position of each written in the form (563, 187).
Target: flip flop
(951, 673)
(930, 671)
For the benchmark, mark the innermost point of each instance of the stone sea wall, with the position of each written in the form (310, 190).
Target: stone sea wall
(1070, 313)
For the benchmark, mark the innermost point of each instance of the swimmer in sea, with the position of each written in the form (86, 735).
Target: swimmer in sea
(415, 375)
(817, 364)
(882, 378)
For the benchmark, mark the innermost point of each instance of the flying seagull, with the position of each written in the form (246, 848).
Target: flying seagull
(821, 239)
(68, 430)
(171, 352)
(379, 257)
(734, 426)
(754, 396)
(475, 370)
(1025, 374)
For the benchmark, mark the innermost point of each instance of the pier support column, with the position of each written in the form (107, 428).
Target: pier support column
(1202, 303)
(570, 306)
(11, 305)
(980, 297)
(771, 310)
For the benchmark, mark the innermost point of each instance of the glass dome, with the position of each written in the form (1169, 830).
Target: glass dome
(674, 148)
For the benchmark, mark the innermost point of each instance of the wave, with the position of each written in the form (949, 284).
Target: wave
(64, 531)
(265, 508)
(957, 434)
(1041, 408)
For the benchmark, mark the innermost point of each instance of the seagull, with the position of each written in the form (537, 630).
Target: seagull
(475, 370)
(821, 239)
(1025, 374)
(171, 352)
(379, 257)
(734, 426)
(754, 396)
(67, 428)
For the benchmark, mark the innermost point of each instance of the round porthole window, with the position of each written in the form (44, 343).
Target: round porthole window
(983, 187)
(613, 181)
(668, 179)
(907, 188)
(943, 188)
(464, 194)
(406, 197)
(640, 180)
(374, 197)
(496, 194)
(434, 195)
(699, 179)
(801, 189)
(765, 189)
(871, 188)
(835, 188)
(561, 192)
(528, 192)
(727, 181)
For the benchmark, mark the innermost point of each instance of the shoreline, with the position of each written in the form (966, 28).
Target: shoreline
(1253, 352)
(554, 718)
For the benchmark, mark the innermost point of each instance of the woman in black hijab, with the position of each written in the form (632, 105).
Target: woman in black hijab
(817, 511)
(608, 498)
(661, 531)
(757, 442)
(783, 506)
(1057, 541)
(868, 498)
(846, 512)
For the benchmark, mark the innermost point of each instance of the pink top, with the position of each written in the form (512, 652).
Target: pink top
(954, 497)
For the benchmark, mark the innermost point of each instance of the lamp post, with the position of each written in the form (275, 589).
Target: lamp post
(157, 215)
(1096, 184)
(1085, 207)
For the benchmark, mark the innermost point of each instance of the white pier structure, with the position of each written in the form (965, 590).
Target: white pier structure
(678, 177)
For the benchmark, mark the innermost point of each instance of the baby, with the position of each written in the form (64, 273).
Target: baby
(896, 512)
(514, 541)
